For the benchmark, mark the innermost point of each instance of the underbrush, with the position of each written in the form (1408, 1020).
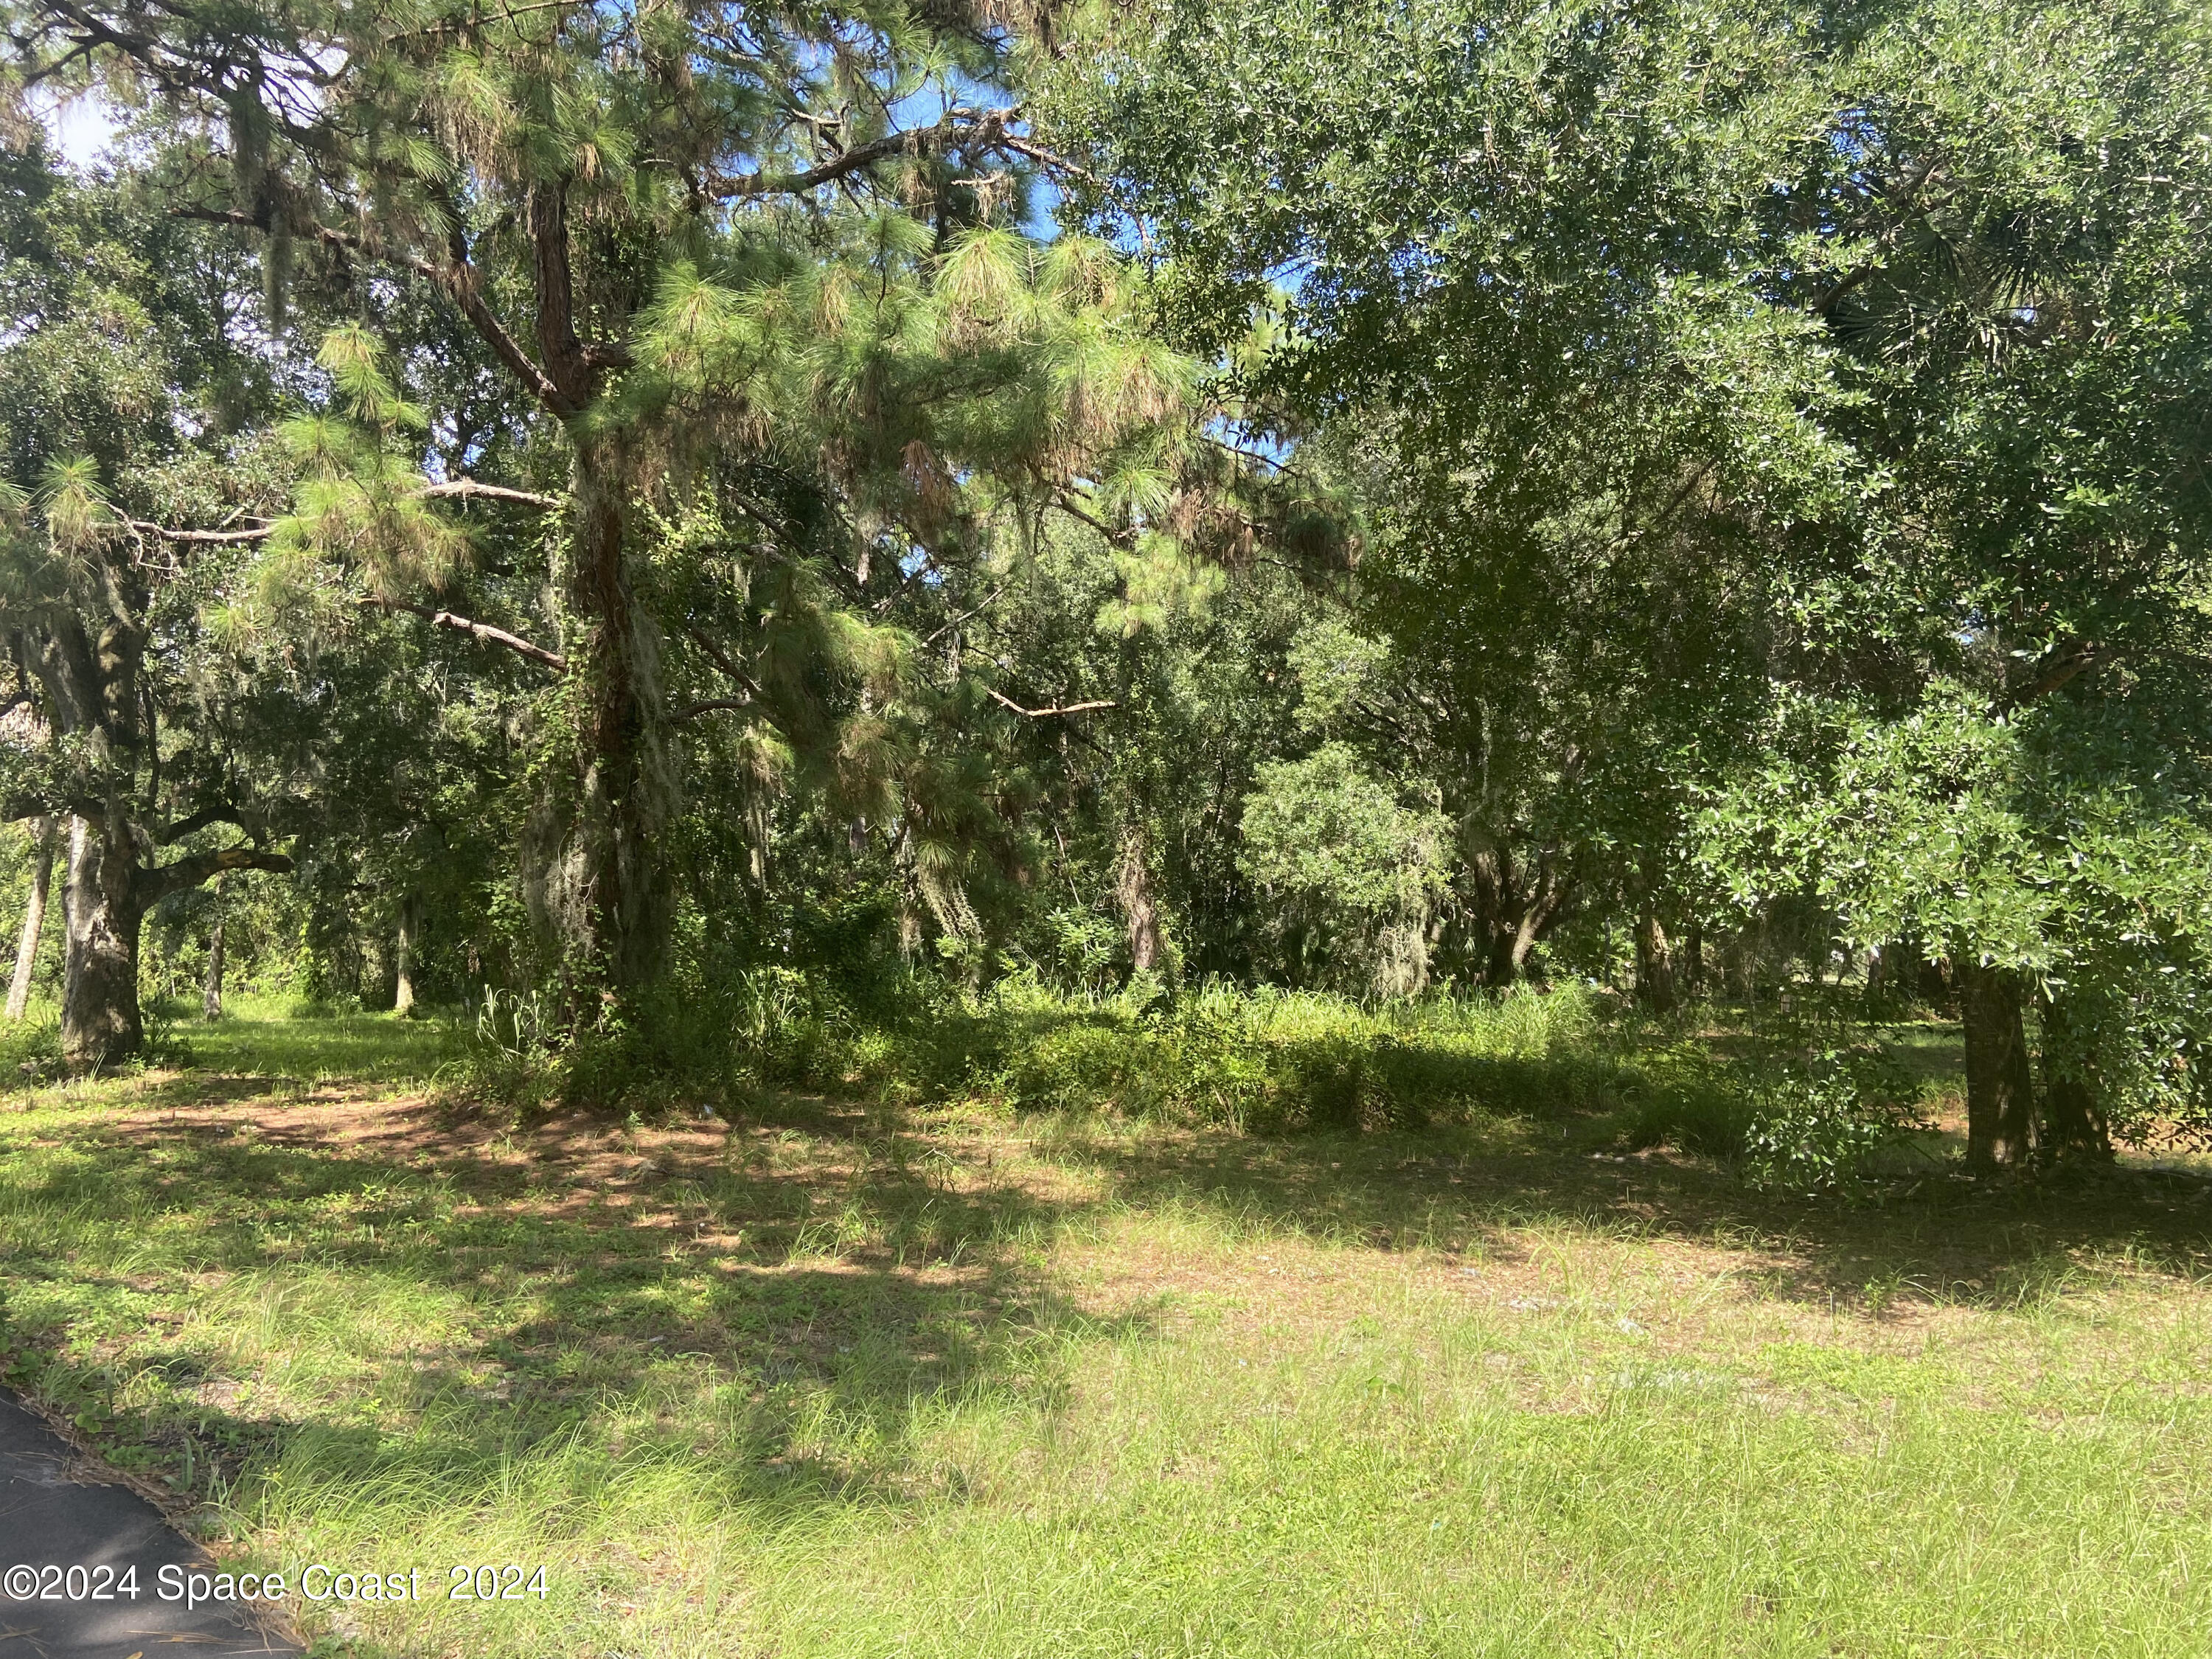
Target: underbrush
(1805, 1107)
(1264, 1060)
(1809, 1107)
(31, 1048)
(1809, 1112)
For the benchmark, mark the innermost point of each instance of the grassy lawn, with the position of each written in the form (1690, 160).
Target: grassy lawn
(843, 1381)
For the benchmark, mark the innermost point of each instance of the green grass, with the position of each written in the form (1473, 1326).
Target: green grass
(258, 1040)
(846, 1379)
(261, 1039)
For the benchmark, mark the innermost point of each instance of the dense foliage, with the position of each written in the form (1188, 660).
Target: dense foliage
(679, 526)
(1786, 427)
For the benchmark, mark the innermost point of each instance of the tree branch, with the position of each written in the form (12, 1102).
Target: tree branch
(200, 820)
(260, 533)
(2059, 666)
(721, 659)
(465, 490)
(1065, 503)
(969, 615)
(483, 633)
(1826, 305)
(456, 279)
(1043, 713)
(15, 808)
(470, 489)
(1051, 161)
(161, 880)
(958, 127)
(709, 705)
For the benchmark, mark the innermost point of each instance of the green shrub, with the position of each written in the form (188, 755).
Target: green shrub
(1218, 1055)
(1792, 1121)
(31, 1048)
(1823, 1123)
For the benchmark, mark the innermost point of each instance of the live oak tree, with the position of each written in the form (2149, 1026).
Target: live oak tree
(1993, 738)
(113, 390)
(1559, 672)
(136, 398)
(1510, 285)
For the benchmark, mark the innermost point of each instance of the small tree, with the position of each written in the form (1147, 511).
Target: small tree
(1358, 870)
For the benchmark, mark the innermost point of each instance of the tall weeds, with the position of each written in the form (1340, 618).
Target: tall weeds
(1219, 1054)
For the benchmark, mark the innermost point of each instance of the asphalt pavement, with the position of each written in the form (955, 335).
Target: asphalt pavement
(82, 1560)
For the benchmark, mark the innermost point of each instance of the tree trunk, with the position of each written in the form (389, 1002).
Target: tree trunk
(1514, 906)
(101, 1022)
(211, 992)
(595, 853)
(1693, 957)
(1524, 942)
(1934, 984)
(2000, 1087)
(1741, 965)
(91, 685)
(1654, 963)
(403, 997)
(2073, 1122)
(599, 886)
(1500, 914)
(1889, 969)
(1139, 909)
(1502, 956)
(34, 916)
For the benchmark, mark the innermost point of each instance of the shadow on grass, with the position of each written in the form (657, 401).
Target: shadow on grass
(831, 1264)
(1940, 1235)
(588, 1266)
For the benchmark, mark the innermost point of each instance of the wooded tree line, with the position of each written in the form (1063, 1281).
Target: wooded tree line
(1374, 496)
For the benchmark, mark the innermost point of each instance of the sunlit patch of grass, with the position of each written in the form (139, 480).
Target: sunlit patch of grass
(265, 1039)
(256, 1038)
(851, 1379)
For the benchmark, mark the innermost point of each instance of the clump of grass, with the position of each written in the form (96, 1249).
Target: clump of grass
(1702, 1115)
(31, 1048)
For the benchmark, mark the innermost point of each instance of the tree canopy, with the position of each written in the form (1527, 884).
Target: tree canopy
(1828, 386)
